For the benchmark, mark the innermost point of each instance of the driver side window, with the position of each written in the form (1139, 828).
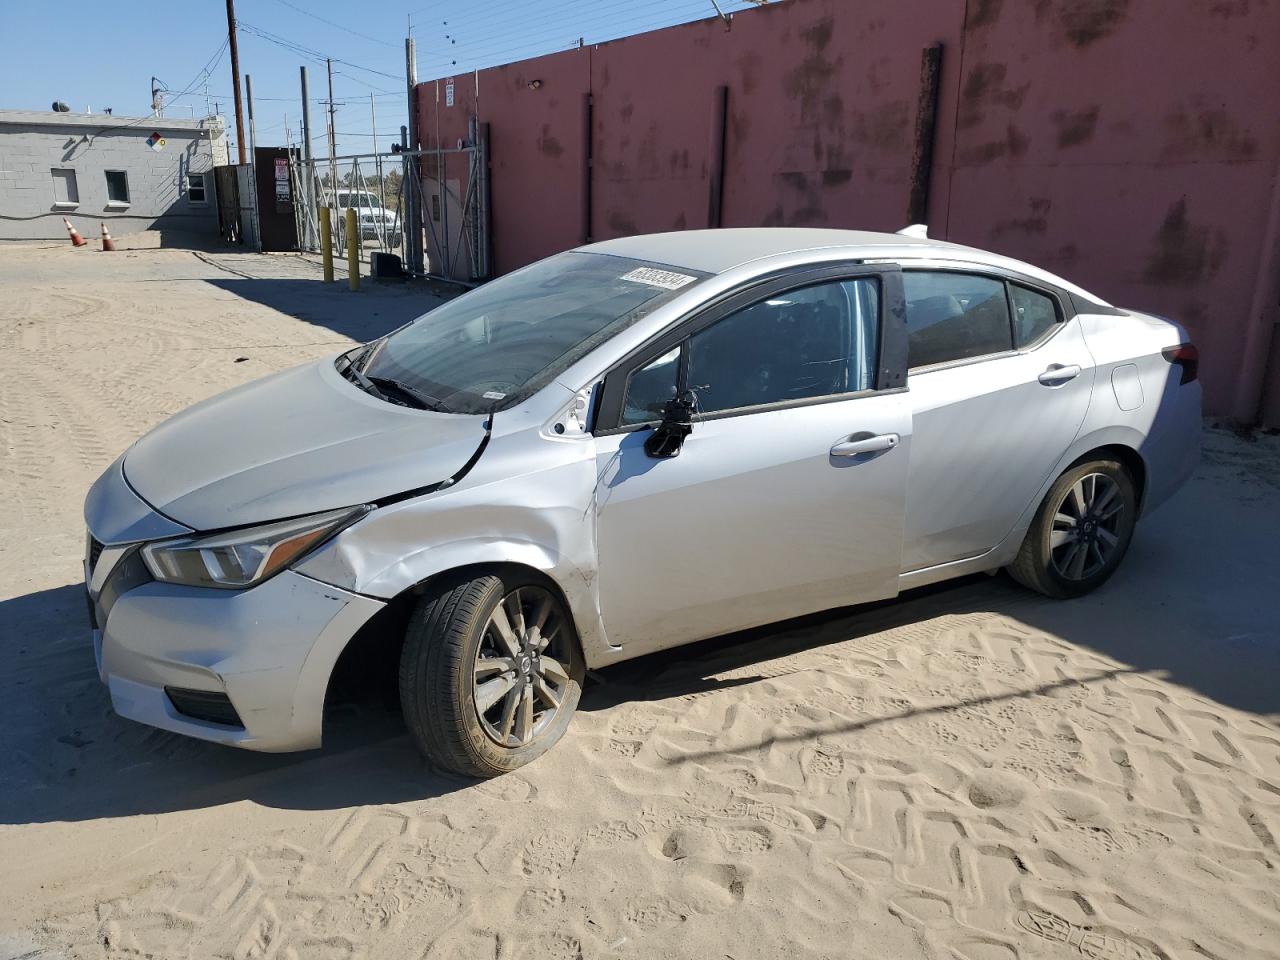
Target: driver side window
(816, 341)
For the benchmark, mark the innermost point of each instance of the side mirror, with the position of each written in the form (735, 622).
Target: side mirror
(677, 423)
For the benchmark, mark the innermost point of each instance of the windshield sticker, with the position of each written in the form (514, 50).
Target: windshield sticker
(493, 395)
(666, 279)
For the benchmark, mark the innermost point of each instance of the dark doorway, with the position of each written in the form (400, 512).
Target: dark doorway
(276, 223)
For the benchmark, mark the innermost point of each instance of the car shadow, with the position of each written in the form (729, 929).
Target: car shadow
(56, 719)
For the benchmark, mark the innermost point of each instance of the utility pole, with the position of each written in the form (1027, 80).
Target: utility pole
(373, 119)
(235, 76)
(333, 152)
(308, 186)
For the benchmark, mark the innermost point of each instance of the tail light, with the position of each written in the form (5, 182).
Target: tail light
(1186, 356)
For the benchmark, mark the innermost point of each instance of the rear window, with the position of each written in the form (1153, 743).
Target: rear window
(954, 316)
(497, 345)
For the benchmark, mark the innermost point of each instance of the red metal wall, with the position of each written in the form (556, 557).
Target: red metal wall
(1130, 145)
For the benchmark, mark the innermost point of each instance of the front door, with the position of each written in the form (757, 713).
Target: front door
(786, 498)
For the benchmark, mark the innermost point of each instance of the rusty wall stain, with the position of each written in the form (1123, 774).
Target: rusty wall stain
(885, 127)
(983, 13)
(1014, 144)
(1075, 126)
(1207, 133)
(621, 223)
(983, 87)
(1183, 252)
(548, 144)
(810, 82)
(1083, 22)
(1035, 222)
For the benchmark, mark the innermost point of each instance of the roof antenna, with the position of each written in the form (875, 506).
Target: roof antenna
(918, 231)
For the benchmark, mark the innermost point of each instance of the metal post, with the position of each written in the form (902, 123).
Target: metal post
(308, 195)
(926, 127)
(248, 95)
(402, 211)
(326, 244)
(235, 76)
(353, 259)
(719, 129)
(413, 219)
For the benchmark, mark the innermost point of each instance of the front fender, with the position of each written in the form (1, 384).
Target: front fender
(526, 501)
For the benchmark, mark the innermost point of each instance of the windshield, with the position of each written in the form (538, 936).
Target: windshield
(357, 200)
(495, 346)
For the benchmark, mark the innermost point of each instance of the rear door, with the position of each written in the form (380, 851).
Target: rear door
(1000, 380)
(787, 497)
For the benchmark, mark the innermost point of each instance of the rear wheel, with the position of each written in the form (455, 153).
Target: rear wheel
(490, 674)
(1081, 532)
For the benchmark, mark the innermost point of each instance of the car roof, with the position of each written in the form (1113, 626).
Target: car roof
(717, 251)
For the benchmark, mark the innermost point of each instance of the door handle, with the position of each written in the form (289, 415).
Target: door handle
(865, 444)
(1058, 374)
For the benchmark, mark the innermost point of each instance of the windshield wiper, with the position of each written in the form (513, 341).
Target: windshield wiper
(364, 383)
(422, 400)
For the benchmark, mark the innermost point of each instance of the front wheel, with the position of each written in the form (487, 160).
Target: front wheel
(490, 674)
(1081, 531)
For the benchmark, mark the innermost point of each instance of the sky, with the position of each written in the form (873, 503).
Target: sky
(92, 54)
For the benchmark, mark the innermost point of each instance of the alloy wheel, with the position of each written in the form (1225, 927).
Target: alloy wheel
(519, 678)
(1086, 527)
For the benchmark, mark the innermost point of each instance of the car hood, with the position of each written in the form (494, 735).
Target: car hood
(297, 442)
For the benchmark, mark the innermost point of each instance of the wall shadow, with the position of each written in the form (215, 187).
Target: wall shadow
(377, 309)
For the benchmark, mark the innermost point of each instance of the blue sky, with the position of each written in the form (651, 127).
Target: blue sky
(104, 54)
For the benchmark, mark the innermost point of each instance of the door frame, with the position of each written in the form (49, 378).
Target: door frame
(891, 369)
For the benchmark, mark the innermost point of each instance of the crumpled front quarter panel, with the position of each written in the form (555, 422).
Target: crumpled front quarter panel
(528, 500)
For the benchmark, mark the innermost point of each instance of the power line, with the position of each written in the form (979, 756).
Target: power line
(315, 55)
(337, 26)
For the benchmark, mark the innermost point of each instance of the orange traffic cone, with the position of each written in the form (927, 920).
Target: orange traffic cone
(76, 239)
(108, 245)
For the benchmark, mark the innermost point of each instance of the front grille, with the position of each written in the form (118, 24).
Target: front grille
(207, 705)
(95, 551)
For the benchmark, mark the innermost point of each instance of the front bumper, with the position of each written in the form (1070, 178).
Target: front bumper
(270, 650)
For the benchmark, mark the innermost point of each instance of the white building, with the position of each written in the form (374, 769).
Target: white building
(133, 173)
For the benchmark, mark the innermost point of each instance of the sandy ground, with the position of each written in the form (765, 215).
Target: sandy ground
(969, 772)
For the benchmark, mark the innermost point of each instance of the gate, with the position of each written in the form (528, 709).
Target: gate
(429, 206)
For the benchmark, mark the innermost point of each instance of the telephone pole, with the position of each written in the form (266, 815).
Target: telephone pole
(235, 76)
(333, 152)
(308, 186)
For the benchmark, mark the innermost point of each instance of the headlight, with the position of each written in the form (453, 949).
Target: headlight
(243, 558)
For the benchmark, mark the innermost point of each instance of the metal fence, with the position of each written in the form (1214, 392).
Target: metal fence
(431, 207)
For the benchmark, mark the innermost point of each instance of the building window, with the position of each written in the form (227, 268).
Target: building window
(117, 186)
(65, 191)
(195, 187)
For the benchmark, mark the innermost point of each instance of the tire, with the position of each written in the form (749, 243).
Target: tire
(1069, 551)
(455, 645)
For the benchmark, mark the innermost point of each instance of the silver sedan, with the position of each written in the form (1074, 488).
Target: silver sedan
(624, 448)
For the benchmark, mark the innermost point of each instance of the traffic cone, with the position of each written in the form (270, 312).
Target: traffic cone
(108, 245)
(76, 239)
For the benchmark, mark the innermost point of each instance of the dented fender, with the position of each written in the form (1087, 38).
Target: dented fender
(528, 500)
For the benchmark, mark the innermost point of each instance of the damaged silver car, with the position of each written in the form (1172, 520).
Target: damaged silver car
(624, 448)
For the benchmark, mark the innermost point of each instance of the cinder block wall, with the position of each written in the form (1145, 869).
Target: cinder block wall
(33, 144)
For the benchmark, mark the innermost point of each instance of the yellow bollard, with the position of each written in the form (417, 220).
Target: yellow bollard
(326, 244)
(353, 258)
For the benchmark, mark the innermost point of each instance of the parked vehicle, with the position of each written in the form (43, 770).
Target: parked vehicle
(376, 221)
(624, 448)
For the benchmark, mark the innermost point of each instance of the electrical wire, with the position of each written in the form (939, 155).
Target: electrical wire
(338, 26)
